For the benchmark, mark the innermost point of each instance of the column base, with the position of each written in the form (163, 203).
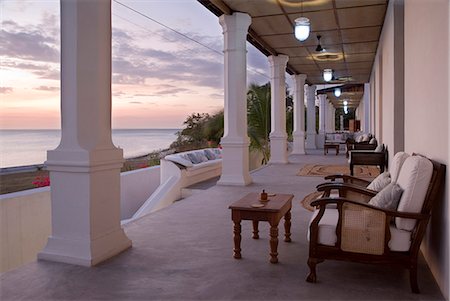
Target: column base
(85, 252)
(298, 147)
(320, 140)
(235, 162)
(311, 141)
(278, 150)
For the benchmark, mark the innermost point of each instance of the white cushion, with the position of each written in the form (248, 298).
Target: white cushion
(373, 141)
(396, 165)
(365, 138)
(400, 240)
(380, 182)
(387, 198)
(205, 164)
(180, 159)
(379, 148)
(327, 226)
(414, 178)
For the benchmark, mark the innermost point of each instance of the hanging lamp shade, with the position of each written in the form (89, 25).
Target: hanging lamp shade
(302, 28)
(345, 103)
(337, 92)
(327, 74)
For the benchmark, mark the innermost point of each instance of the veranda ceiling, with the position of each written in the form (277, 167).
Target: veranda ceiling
(350, 31)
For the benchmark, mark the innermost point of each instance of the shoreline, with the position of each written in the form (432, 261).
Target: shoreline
(19, 178)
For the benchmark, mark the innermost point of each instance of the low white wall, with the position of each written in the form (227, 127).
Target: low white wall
(135, 188)
(25, 225)
(25, 216)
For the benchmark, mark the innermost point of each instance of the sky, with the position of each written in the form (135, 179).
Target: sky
(159, 77)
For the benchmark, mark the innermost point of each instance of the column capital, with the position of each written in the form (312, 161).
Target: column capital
(235, 22)
(299, 79)
(280, 59)
(322, 97)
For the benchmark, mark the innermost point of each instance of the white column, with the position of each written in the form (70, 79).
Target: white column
(311, 117)
(235, 142)
(333, 118)
(329, 124)
(366, 100)
(299, 114)
(85, 167)
(278, 135)
(323, 110)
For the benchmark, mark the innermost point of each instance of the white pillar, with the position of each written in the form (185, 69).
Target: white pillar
(299, 114)
(235, 142)
(311, 117)
(366, 100)
(323, 110)
(85, 167)
(278, 135)
(329, 128)
(333, 118)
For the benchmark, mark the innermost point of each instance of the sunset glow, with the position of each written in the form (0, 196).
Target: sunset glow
(158, 76)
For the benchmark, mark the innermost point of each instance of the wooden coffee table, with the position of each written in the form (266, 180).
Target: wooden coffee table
(272, 211)
(327, 146)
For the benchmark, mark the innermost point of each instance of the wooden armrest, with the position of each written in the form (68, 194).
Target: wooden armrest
(346, 187)
(346, 179)
(324, 201)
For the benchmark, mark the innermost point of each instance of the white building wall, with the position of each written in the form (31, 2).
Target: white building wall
(425, 111)
(427, 69)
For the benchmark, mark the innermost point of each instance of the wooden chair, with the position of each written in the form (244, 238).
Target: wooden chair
(367, 157)
(396, 165)
(359, 232)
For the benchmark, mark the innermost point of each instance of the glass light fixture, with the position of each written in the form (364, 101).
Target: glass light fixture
(327, 74)
(302, 28)
(337, 92)
(345, 109)
(345, 103)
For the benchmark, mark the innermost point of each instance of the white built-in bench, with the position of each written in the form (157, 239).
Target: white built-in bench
(181, 170)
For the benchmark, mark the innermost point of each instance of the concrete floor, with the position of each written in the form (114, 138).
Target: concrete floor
(184, 252)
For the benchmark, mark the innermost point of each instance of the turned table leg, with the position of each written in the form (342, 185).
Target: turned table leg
(287, 226)
(237, 239)
(255, 230)
(273, 243)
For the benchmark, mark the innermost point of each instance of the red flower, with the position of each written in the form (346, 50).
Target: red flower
(41, 181)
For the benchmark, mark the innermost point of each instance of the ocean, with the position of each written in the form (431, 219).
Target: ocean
(28, 147)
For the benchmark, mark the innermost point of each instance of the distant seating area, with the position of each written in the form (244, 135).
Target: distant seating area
(377, 157)
(361, 141)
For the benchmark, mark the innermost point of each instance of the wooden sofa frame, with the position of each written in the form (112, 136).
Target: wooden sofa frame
(318, 253)
(361, 157)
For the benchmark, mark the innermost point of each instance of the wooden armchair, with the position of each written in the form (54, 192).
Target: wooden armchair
(344, 229)
(396, 165)
(367, 157)
(362, 142)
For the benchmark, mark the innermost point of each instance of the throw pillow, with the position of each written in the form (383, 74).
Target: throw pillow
(380, 182)
(194, 159)
(373, 141)
(209, 154)
(387, 198)
(379, 148)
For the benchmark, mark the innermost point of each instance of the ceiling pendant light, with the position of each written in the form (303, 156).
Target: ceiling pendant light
(337, 92)
(345, 103)
(302, 26)
(327, 74)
